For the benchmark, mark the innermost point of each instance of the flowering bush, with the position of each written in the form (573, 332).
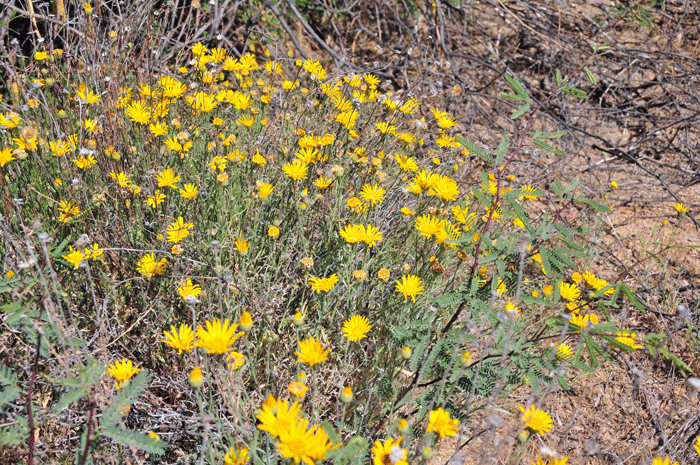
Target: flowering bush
(319, 257)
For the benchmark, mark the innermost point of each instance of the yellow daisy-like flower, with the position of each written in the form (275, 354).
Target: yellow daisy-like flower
(303, 444)
(74, 257)
(666, 461)
(217, 338)
(323, 284)
(149, 267)
(441, 423)
(236, 456)
(6, 156)
(180, 340)
(189, 192)
(122, 372)
(681, 208)
(298, 389)
(242, 245)
(187, 289)
(569, 292)
(167, 178)
(628, 338)
(277, 416)
(410, 286)
(564, 352)
(356, 327)
(372, 194)
(178, 230)
(696, 446)
(273, 231)
(536, 420)
(312, 352)
(390, 452)
(296, 170)
(265, 190)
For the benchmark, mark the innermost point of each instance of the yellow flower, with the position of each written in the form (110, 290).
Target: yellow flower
(298, 389)
(6, 156)
(41, 56)
(696, 446)
(277, 416)
(359, 274)
(569, 292)
(356, 327)
(410, 286)
(138, 112)
(189, 192)
(236, 457)
(323, 284)
(148, 267)
(582, 320)
(429, 225)
(312, 352)
(536, 420)
(241, 245)
(666, 461)
(265, 190)
(628, 338)
(74, 257)
(273, 231)
(86, 96)
(235, 360)
(323, 183)
(182, 340)
(441, 423)
(122, 372)
(187, 289)
(390, 452)
(681, 208)
(372, 194)
(564, 352)
(217, 337)
(196, 379)
(383, 274)
(296, 170)
(167, 179)
(156, 199)
(246, 321)
(178, 230)
(445, 188)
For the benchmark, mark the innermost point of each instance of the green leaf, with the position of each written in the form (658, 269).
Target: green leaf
(543, 145)
(632, 298)
(448, 299)
(517, 86)
(592, 203)
(574, 92)
(332, 435)
(535, 300)
(68, 398)
(135, 439)
(502, 148)
(473, 148)
(520, 111)
(508, 96)
(432, 356)
(590, 76)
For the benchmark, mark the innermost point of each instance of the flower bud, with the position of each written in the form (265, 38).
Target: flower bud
(406, 352)
(196, 379)
(346, 395)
